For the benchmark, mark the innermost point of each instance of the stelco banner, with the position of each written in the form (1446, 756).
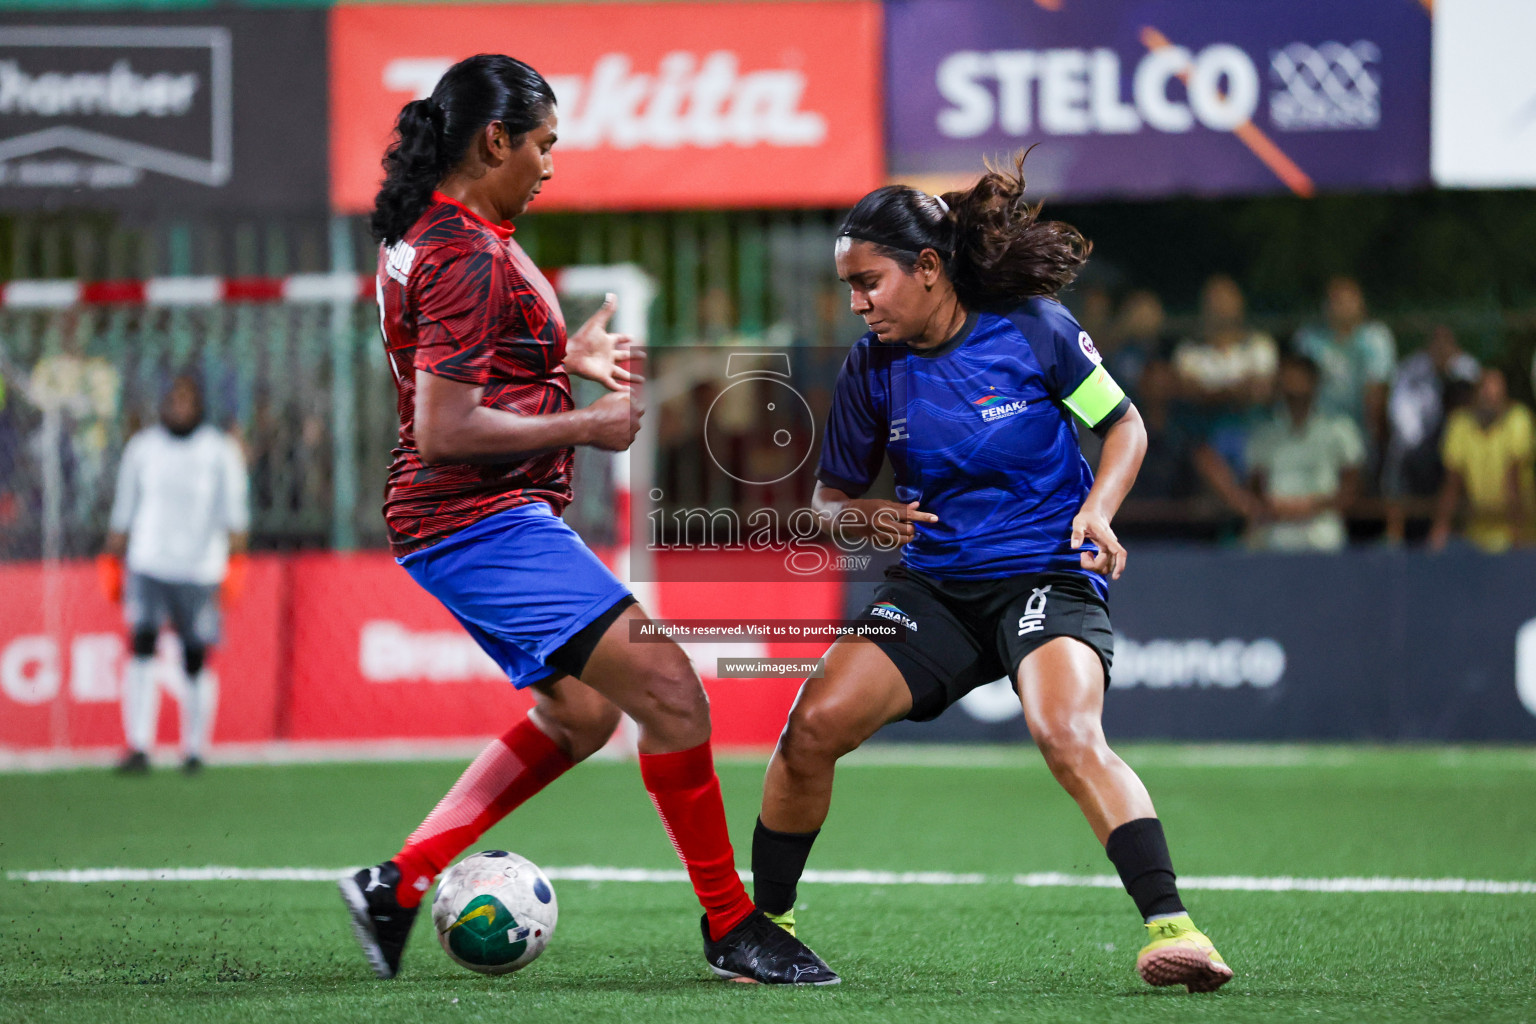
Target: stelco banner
(1160, 97)
(170, 111)
(668, 105)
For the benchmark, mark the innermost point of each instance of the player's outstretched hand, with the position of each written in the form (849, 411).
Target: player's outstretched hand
(1091, 524)
(595, 353)
(615, 420)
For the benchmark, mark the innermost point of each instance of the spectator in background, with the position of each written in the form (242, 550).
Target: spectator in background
(1094, 307)
(1226, 378)
(179, 520)
(1304, 467)
(1356, 357)
(1136, 341)
(1167, 473)
(12, 495)
(1429, 384)
(82, 391)
(1488, 458)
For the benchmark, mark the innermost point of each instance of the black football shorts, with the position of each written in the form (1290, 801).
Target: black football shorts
(961, 634)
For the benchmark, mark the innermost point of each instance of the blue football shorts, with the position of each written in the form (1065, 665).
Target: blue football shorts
(522, 583)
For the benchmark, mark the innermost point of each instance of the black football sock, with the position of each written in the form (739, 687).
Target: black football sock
(1140, 855)
(778, 861)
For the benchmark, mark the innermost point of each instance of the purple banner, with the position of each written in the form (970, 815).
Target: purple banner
(1161, 97)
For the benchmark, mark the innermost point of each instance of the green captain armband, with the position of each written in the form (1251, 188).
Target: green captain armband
(1095, 398)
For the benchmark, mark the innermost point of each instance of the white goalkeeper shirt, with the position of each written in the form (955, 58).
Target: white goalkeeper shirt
(178, 500)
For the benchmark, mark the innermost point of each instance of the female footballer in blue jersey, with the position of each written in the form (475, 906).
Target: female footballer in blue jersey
(968, 382)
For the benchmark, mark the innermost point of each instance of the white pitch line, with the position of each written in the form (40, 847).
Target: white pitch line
(1034, 880)
(1221, 756)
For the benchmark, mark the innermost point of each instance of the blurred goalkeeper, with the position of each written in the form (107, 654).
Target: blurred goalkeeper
(179, 520)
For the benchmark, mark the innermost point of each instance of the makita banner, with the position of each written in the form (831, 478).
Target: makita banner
(1367, 645)
(166, 112)
(665, 105)
(1161, 97)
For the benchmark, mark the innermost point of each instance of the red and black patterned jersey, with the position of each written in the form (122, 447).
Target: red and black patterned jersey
(460, 299)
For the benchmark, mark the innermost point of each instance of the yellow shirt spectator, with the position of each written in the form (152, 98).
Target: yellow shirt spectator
(1484, 458)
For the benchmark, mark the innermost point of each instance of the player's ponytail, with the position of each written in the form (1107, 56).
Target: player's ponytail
(413, 165)
(432, 135)
(996, 250)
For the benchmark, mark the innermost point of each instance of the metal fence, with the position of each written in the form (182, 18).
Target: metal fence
(304, 385)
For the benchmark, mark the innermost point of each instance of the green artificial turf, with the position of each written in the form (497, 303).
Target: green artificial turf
(242, 950)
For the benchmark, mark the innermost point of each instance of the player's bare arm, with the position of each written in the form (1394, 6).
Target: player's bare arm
(453, 426)
(1125, 445)
(888, 523)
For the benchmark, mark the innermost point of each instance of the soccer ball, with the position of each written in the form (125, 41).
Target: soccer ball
(494, 912)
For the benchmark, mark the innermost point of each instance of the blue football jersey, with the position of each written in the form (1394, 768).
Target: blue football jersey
(981, 432)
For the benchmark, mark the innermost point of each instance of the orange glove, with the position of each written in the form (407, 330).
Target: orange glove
(109, 576)
(234, 579)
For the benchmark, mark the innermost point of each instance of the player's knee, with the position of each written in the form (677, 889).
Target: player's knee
(1070, 747)
(674, 696)
(193, 657)
(143, 642)
(818, 732)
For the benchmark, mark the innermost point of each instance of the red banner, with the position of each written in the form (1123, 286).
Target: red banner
(377, 657)
(63, 649)
(345, 648)
(748, 712)
(662, 106)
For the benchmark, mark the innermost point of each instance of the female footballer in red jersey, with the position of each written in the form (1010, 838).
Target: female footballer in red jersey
(478, 346)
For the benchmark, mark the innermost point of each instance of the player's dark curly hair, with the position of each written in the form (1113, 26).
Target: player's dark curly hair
(996, 249)
(433, 134)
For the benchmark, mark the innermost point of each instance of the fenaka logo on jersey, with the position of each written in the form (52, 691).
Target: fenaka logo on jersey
(886, 610)
(687, 99)
(98, 108)
(992, 406)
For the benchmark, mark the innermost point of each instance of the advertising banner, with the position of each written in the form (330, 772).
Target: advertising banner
(344, 648)
(665, 105)
(1362, 646)
(1484, 125)
(1161, 97)
(376, 657)
(1210, 646)
(183, 112)
(63, 650)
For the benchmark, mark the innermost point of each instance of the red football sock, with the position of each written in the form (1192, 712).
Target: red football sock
(686, 791)
(505, 774)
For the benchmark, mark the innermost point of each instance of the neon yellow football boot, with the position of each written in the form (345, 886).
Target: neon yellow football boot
(1180, 954)
(785, 920)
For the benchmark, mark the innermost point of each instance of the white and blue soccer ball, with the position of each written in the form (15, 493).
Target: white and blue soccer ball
(495, 912)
